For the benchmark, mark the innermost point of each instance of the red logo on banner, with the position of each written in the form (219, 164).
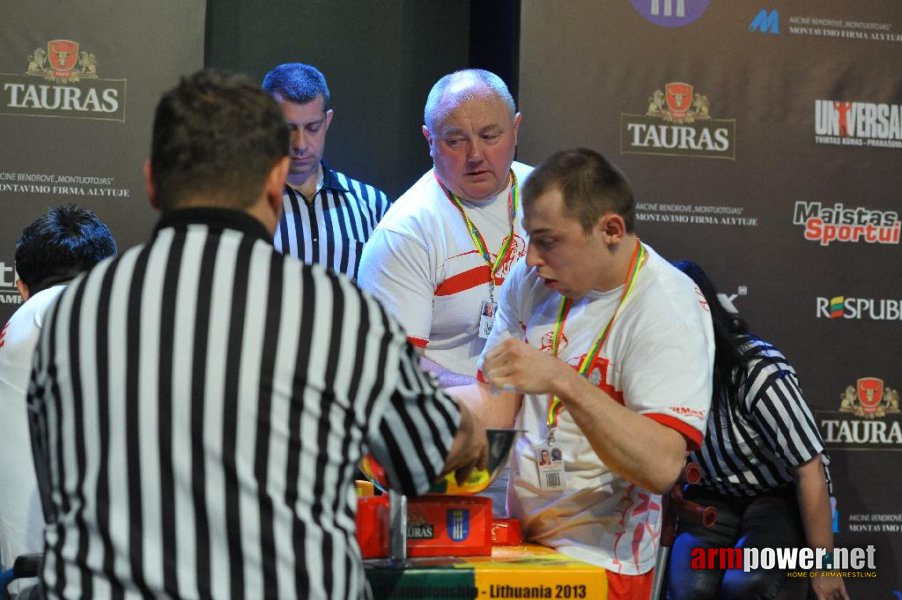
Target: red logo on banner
(679, 98)
(62, 55)
(62, 62)
(870, 393)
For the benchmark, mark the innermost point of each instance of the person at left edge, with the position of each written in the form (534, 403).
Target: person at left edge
(327, 216)
(52, 251)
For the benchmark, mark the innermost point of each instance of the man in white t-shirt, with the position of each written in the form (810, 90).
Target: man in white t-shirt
(52, 250)
(602, 353)
(439, 257)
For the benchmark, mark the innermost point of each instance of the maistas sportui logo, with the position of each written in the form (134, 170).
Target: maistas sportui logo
(678, 122)
(71, 86)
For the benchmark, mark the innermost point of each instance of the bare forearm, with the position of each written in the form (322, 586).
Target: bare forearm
(494, 408)
(445, 377)
(643, 451)
(814, 504)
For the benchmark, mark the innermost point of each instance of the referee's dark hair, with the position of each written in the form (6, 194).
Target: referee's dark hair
(60, 245)
(729, 362)
(216, 136)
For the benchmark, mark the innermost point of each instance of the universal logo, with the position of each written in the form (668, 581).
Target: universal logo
(678, 122)
(71, 87)
(868, 418)
(845, 123)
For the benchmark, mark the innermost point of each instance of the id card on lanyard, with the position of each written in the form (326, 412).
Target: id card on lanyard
(489, 307)
(550, 478)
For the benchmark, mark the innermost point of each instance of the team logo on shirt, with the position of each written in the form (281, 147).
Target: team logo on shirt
(71, 86)
(547, 344)
(678, 122)
(517, 251)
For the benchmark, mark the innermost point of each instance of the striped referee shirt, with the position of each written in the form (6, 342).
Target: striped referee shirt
(754, 441)
(198, 408)
(332, 227)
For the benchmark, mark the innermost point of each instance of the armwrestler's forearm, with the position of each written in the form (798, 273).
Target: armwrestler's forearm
(632, 445)
(445, 377)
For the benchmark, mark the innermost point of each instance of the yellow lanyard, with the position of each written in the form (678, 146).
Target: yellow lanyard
(478, 240)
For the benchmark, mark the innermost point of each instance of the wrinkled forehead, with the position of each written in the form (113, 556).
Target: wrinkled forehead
(469, 99)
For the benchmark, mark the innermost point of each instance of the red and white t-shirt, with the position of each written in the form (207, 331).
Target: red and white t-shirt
(657, 361)
(422, 264)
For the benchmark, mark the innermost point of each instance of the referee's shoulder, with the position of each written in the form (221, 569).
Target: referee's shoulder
(360, 189)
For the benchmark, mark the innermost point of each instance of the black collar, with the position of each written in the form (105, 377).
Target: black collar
(216, 219)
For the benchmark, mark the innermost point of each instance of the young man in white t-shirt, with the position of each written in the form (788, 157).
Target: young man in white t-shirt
(602, 353)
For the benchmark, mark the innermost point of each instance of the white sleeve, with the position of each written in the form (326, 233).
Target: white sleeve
(396, 270)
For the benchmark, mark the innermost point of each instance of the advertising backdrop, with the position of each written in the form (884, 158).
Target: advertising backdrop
(78, 85)
(764, 141)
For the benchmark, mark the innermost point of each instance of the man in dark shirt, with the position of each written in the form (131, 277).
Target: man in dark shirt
(199, 405)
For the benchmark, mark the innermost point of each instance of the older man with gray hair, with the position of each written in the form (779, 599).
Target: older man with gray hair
(438, 258)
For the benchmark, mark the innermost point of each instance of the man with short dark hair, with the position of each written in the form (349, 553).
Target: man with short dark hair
(219, 395)
(327, 216)
(52, 251)
(602, 351)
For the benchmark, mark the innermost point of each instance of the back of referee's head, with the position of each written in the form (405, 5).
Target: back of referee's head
(218, 140)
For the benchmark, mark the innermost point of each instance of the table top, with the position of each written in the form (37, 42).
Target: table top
(527, 571)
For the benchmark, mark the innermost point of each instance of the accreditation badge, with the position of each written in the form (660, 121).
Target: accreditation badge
(550, 463)
(487, 318)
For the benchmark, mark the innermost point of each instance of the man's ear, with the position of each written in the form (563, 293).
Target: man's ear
(275, 183)
(612, 228)
(149, 187)
(328, 121)
(23, 289)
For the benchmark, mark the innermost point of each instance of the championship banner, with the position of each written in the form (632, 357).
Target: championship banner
(763, 141)
(78, 85)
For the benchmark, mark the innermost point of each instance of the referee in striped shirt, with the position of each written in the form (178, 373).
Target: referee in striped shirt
(199, 404)
(762, 463)
(327, 216)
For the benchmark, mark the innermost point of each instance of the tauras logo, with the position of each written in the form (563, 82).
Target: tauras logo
(839, 223)
(868, 417)
(678, 122)
(70, 87)
(849, 123)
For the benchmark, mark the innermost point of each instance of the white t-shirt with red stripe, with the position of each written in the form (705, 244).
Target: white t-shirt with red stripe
(424, 267)
(657, 361)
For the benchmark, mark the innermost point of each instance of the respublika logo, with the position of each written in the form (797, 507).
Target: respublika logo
(9, 293)
(838, 223)
(868, 309)
(845, 123)
(812, 562)
(671, 13)
(678, 123)
(71, 86)
(766, 21)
